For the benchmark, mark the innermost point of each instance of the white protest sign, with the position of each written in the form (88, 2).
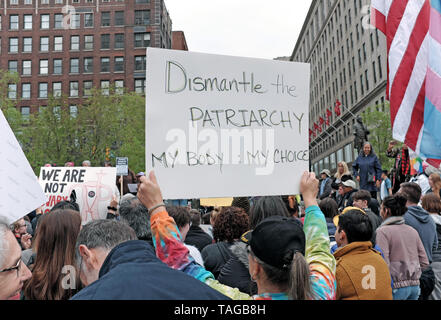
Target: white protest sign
(20, 192)
(222, 126)
(94, 188)
(122, 166)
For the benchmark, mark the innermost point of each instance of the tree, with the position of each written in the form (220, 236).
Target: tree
(379, 124)
(7, 103)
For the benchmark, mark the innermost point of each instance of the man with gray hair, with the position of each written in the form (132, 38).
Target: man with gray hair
(86, 163)
(113, 265)
(13, 272)
(137, 217)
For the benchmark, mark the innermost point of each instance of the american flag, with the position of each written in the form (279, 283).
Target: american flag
(413, 33)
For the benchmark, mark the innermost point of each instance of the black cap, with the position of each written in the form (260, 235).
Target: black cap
(275, 240)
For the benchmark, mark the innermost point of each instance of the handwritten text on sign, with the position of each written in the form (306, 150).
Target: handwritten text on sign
(226, 126)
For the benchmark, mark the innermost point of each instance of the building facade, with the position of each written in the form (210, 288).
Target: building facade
(348, 60)
(68, 47)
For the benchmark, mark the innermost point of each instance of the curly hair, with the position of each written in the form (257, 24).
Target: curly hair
(230, 224)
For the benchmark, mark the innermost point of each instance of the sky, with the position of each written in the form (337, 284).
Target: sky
(248, 28)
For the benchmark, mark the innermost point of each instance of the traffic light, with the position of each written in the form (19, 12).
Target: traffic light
(107, 154)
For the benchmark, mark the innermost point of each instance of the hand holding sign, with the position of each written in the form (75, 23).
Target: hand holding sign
(309, 188)
(149, 192)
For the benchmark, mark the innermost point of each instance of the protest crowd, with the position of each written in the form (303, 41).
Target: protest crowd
(355, 234)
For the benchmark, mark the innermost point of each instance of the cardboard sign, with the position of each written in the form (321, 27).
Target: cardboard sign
(94, 188)
(222, 126)
(20, 192)
(122, 166)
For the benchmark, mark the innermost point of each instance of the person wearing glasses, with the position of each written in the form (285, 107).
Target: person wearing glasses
(20, 231)
(13, 272)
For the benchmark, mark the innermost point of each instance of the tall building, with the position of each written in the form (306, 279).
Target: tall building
(348, 64)
(71, 46)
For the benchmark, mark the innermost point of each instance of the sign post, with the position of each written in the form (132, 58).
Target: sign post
(122, 169)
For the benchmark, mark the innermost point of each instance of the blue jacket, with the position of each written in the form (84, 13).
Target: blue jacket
(132, 271)
(364, 165)
(420, 220)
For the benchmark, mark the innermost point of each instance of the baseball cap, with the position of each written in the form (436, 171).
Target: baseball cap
(275, 240)
(337, 217)
(326, 171)
(349, 183)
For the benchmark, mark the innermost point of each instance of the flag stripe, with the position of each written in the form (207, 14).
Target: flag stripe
(406, 68)
(407, 34)
(430, 145)
(435, 56)
(393, 20)
(433, 89)
(417, 120)
(378, 20)
(436, 4)
(435, 25)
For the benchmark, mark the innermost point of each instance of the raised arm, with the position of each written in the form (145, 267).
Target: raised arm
(318, 254)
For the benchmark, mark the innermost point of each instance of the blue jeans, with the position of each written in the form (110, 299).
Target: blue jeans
(406, 293)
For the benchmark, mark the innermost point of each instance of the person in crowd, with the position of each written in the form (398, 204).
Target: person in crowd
(114, 265)
(432, 204)
(361, 199)
(24, 239)
(330, 209)
(241, 202)
(195, 235)
(136, 215)
(235, 272)
(107, 164)
(386, 185)
(13, 272)
(55, 254)
(353, 236)
(418, 218)
(402, 249)
(112, 209)
(69, 164)
(435, 184)
(367, 170)
(86, 163)
(229, 225)
(341, 175)
(292, 205)
(401, 170)
(183, 220)
(312, 275)
(325, 184)
(129, 179)
(346, 189)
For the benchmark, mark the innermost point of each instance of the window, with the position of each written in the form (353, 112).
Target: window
(105, 41)
(13, 66)
(73, 88)
(142, 40)
(142, 17)
(364, 51)
(74, 65)
(105, 19)
(119, 18)
(13, 45)
(142, 1)
(348, 153)
(380, 71)
(366, 78)
(75, 21)
(58, 20)
(44, 1)
(119, 86)
(58, 43)
(88, 65)
(44, 66)
(12, 91)
(13, 1)
(140, 63)
(27, 21)
(58, 66)
(88, 42)
(42, 90)
(105, 64)
(44, 44)
(374, 71)
(25, 112)
(56, 89)
(13, 22)
(87, 88)
(44, 21)
(361, 84)
(119, 64)
(105, 84)
(27, 1)
(140, 86)
(25, 90)
(88, 20)
(26, 67)
(74, 42)
(119, 40)
(27, 44)
(73, 111)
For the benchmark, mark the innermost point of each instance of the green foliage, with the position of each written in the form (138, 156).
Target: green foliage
(115, 120)
(379, 124)
(8, 106)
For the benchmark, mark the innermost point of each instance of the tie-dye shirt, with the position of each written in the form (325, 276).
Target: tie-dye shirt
(170, 249)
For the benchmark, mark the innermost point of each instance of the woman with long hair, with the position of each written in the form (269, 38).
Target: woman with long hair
(435, 184)
(55, 257)
(367, 170)
(402, 249)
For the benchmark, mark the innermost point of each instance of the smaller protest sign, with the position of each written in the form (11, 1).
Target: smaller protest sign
(122, 166)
